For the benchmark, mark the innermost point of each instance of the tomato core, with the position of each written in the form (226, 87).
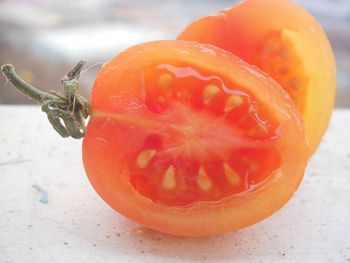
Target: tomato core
(204, 139)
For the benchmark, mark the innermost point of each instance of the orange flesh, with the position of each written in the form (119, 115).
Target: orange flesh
(202, 153)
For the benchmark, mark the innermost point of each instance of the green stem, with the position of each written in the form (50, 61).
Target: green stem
(25, 88)
(65, 112)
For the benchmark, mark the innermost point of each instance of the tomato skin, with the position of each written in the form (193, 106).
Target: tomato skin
(118, 90)
(247, 26)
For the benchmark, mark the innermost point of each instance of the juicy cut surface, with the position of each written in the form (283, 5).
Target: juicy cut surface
(197, 138)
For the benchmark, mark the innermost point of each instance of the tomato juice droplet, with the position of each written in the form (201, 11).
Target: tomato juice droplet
(209, 142)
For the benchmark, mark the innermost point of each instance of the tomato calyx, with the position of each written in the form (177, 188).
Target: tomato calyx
(66, 112)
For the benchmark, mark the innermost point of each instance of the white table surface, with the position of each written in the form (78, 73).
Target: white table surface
(77, 226)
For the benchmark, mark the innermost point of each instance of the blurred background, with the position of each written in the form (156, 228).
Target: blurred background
(45, 38)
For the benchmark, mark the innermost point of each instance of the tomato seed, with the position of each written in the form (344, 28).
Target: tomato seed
(165, 80)
(203, 180)
(232, 102)
(209, 93)
(169, 180)
(144, 157)
(231, 176)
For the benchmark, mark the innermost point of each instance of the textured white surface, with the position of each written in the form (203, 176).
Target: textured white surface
(77, 226)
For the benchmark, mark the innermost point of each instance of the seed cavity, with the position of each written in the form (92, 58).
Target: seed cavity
(210, 92)
(144, 157)
(269, 48)
(253, 165)
(283, 70)
(203, 180)
(231, 176)
(165, 80)
(161, 99)
(169, 180)
(182, 94)
(284, 54)
(295, 84)
(233, 102)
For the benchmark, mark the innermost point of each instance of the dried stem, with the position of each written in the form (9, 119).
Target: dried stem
(66, 112)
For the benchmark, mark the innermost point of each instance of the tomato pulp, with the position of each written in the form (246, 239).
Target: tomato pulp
(187, 139)
(286, 42)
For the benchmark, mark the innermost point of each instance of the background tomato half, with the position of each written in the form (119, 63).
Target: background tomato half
(285, 41)
(187, 139)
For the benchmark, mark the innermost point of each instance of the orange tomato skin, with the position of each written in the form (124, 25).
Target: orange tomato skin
(118, 90)
(245, 28)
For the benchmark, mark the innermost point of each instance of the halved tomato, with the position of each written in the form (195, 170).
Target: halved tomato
(286, 42)
(187, 139)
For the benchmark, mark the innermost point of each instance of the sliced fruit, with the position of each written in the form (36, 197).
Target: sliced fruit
(174, 141)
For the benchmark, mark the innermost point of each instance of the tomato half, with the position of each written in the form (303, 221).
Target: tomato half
(285, 41)
(187, 139)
